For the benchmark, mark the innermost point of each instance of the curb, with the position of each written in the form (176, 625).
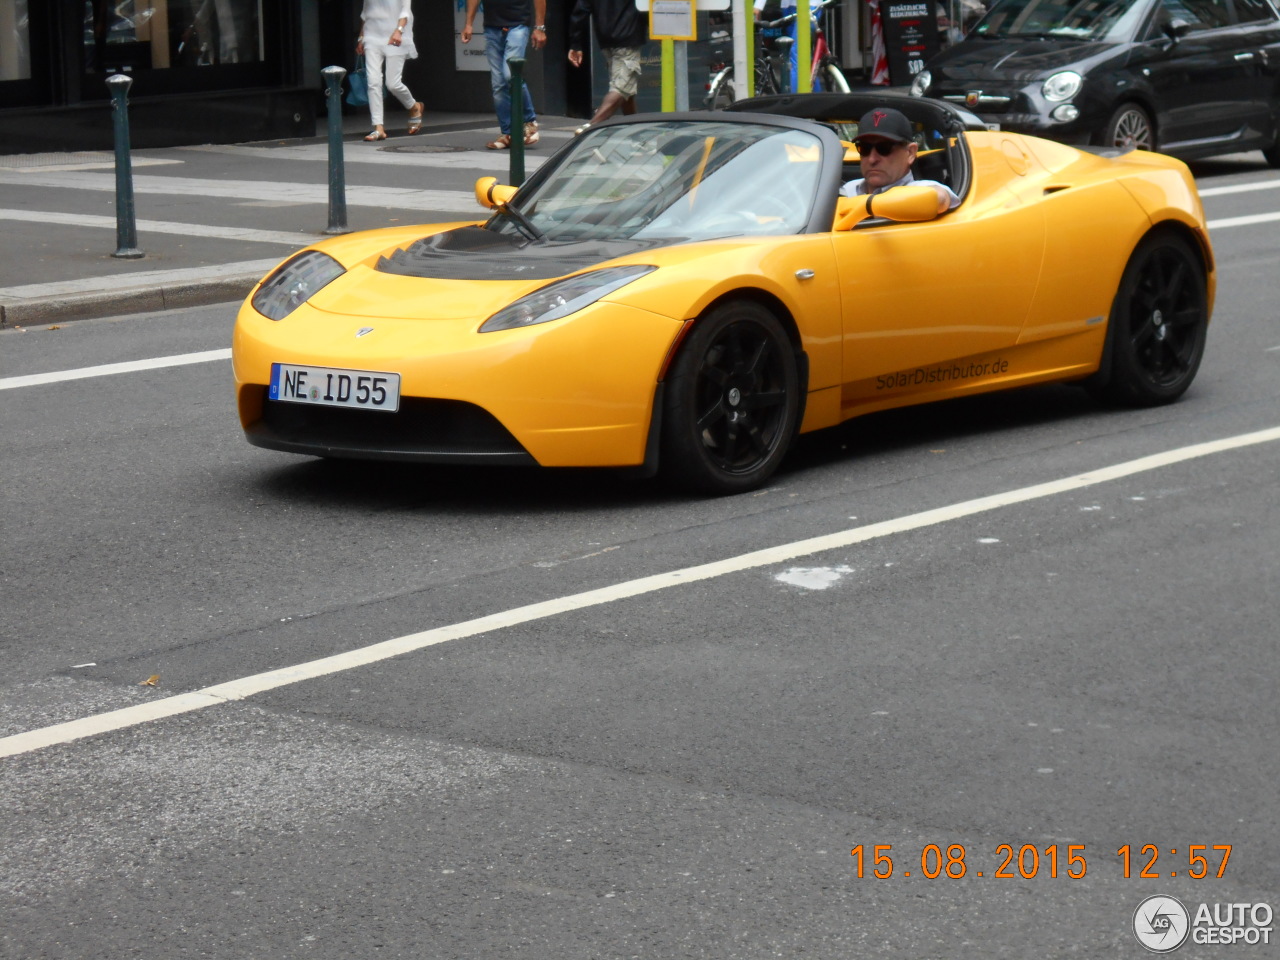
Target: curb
(140, 293)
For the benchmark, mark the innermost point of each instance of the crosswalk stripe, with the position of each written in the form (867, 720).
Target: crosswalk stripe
(400, 198)
(163, 226)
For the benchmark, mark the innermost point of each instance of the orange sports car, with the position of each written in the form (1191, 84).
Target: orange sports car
(684, 293)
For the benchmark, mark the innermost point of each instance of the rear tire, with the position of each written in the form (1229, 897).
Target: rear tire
(1272, 153)
(732, 401)
(1158, 326)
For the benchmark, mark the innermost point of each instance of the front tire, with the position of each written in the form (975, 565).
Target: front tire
(732, 401)
(1129, 126)
(720, 94)
(1159, 322)
(832, 79)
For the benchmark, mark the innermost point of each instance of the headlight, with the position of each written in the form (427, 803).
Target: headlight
(294, 282)
(920, 85)
(563, 297)
(1062, 86)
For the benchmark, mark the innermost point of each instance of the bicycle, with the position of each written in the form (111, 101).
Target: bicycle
(825, 72)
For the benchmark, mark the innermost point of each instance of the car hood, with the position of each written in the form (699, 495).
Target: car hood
(1021, 60)
(465, 272)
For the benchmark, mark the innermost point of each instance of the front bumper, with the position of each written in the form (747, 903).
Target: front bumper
(1023, 111)
(573, 392)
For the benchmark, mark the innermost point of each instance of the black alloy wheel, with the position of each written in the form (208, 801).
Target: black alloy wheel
(1129, 126)
(1159, 322)
(732, 401)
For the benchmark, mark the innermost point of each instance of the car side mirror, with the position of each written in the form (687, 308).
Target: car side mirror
(1176, 29)
(490, 194)
(909, 204)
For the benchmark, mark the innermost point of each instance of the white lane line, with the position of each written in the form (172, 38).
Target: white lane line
(1241, 188)
(164, 226)
(401, 198)
(258, 683)
(107, 369)
(1243, 221)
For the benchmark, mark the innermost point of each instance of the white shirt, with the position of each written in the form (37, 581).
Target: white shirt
(858, 188)
(381, 17)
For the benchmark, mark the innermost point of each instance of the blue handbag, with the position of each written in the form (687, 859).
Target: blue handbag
(358, 95)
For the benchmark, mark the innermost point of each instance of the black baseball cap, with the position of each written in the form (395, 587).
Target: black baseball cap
(885, 122)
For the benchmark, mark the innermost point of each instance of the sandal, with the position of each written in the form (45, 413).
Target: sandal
(502, 143)
(375, 135)
(415, 119)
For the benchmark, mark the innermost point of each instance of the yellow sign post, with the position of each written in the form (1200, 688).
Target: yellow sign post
(804, 48)
(669, 21)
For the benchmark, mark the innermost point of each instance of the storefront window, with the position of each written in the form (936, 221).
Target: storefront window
(131, 35)
(15, 41)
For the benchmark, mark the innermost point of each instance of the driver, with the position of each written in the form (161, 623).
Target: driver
(888, 149)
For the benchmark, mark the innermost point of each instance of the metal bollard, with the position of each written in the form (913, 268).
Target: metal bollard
(517, 121)
(126, 215)
(337, 172)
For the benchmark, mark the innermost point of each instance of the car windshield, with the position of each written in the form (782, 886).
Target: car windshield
(1054, 19)
(676, 180)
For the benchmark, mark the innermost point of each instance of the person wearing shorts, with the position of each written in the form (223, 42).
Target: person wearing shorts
(620, 31)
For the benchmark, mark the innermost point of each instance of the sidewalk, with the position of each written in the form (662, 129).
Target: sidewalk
(213, 220)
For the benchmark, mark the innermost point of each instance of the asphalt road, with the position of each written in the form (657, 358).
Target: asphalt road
(681, 772)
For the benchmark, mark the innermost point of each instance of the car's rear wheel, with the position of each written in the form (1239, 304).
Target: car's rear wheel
(1158, 325)
(1129, 126)
(732, 401)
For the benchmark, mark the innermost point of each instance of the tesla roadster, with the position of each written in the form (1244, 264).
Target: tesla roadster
(684, 293)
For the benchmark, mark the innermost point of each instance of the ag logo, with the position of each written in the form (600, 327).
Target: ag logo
(1161, 924)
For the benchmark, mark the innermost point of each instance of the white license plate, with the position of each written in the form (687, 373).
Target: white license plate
(335, 387)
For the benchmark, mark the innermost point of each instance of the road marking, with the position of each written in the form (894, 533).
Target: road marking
(1243, 221)
(164, 226)
(399, 198)
(107, 369)
(492, 161)
(79, 160)
(72, 730)
(1241, 188)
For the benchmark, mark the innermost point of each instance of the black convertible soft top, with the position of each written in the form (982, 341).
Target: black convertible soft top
(847, 108)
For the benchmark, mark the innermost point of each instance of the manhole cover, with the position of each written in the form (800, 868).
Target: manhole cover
(421, 148)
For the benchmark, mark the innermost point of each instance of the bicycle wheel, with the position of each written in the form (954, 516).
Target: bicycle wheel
(766, 78)
(720, 92)
(831, 78)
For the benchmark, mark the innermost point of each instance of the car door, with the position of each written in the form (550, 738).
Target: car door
(1201, 78)
(1258, 50)
(916, 296)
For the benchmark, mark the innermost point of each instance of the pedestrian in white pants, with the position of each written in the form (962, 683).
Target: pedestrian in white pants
(393, 20)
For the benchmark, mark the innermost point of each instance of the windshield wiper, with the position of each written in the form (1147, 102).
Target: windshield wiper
(520, 220)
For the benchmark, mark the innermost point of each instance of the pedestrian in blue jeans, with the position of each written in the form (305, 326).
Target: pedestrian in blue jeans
(506, 36)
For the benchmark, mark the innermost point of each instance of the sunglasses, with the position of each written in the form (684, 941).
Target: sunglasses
(882, 147)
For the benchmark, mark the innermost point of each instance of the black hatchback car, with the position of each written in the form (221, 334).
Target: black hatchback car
(1192, 78)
